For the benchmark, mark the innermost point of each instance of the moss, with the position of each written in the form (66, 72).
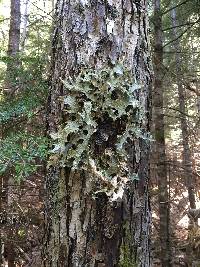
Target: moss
(127, 257)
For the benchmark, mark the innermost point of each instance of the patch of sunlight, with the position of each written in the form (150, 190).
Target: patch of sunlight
(184, 222)
(154, 215)
(175, 135)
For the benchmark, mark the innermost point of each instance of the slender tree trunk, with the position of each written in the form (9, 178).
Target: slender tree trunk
(13, 47)
(86, 224)
(10, 86)
(25, 26)
(14, 31)
(187, 156)
(159, 133)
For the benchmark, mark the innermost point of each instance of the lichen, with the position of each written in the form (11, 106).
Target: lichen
(102, 115)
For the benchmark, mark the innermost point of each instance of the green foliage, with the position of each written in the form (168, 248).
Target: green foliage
(20, 153)
(30, 88)
(19, 108)
(103, 115)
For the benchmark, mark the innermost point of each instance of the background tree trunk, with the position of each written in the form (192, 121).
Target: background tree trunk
(10, 86)
(84, 228)
(159, 135)
(13, 46)
(25, 25)
(14, 31)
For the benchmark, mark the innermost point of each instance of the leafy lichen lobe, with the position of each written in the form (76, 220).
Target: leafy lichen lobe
(102, 115)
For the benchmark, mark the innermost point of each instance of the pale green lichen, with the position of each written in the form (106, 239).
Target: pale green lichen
(102, 115)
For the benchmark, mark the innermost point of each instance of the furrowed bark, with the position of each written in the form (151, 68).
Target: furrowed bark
(159, 135)
(83, 230)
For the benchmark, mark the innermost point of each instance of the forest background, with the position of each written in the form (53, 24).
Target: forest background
(25, 42)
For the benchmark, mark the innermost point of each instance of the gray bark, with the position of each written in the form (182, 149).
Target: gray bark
(14, 31)
(159, 135)
(83, 230)
(25, 25)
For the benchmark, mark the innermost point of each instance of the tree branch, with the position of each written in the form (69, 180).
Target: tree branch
(2, 20)
(171, 8)
(194, 213)
(177, 26)
(180, 35)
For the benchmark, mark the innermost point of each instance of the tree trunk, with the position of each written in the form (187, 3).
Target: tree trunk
(13, 46)
(14, 31)
(95, 216)
(10, 88)
(25, 25)
(159, 135)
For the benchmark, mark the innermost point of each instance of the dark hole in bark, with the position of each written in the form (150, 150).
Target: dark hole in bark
(84, 97)
(73, 117)
(116, 112)
(85, 132)
(93, 87)
(81, 164)
(114, 95)
(81, 104)
(67, 106)
(116, 75)
(69, 137)
(128, 108)
(128, 139)
(74, 146)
